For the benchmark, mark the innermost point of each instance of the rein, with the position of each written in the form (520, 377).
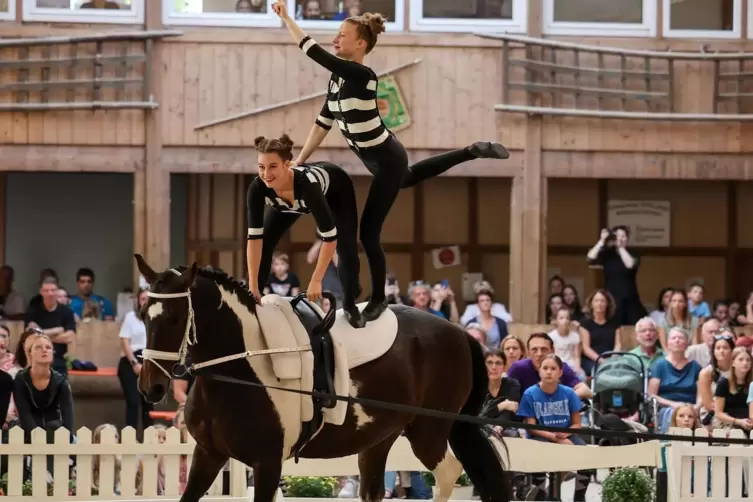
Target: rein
(190, 338)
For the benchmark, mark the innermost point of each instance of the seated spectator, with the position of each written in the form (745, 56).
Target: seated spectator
(696, 304)
(443, 300)
(701, 352)
(721, 364)
(97, 439)
(251, 6)
(526, 371)
(674, 379)
(648, 348)
(733, 310)
(87, 305)
(555, 405)
(730, 398)
(514, 350)
(566, 341)
(12, 305)
(282, 281)
(472, 310)
(555, 302)
(678, 316)
(477, 332)
(54, 320)
(504, 393)
(662, 304)
(392, 291)
(45, 273)
(746, 317)
(420, 295)
(556, 285)
(720, 312)
(412, 483)
(495, 327)
(42, 395)
(572, 302)
(132, 344)
(599, 329)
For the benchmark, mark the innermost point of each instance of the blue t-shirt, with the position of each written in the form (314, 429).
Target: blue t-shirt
(677, 385)
(95, 307)
(553, 410)
(700, 310)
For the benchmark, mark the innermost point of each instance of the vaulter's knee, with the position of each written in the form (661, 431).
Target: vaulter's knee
(369, 238)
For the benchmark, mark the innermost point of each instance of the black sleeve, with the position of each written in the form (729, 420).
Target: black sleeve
(722, 388)
(23, 403)
(295, 282)
(325, 118)
(513, 393)
(65, 401)
(599, 260)
(317, 203)
(347, 70)
(255, 210)
(29, 315)
(69, 322)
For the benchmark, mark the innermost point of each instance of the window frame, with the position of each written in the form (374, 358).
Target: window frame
(10, 15)
(397, 25)
(135, 15)
(219, 19)
(645, 29)
(518, 23)
(735, 32)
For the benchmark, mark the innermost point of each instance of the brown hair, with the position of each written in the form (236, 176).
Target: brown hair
(369, 26)
(554, 357)
(734, 386)
(611, 304)
(282, 146)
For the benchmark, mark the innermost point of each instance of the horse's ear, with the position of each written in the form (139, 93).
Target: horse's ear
(149, 274)
(190, 275)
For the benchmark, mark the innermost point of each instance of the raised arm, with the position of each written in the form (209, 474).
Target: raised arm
(255, 214)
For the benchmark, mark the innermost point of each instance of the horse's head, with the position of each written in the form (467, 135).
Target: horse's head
(168, 316)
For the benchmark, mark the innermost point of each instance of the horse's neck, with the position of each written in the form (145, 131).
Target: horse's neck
(216, 340)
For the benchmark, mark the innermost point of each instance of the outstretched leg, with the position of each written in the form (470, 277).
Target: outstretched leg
(371, 465)
(205, 467)
(434, 166)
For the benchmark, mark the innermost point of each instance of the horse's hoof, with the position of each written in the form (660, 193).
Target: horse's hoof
(374, 310)
(355, 318)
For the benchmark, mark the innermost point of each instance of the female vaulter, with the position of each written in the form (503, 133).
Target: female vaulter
(352, 102)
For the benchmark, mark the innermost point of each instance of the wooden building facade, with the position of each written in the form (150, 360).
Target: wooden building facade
(660, 113)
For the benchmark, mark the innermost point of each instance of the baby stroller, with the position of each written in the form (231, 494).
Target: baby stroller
(620, 388)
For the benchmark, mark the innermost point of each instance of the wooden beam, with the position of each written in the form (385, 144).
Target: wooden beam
(3, 214)
(620, 115)
(121, 159)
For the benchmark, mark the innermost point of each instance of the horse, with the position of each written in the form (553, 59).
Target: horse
(427, 362)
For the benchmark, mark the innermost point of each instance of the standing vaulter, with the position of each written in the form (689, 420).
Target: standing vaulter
(352, 102)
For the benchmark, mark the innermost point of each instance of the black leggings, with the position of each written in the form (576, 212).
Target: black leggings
(345, 212)
(388, 163)
(136, 405)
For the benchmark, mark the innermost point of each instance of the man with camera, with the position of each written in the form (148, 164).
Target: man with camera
(620, 272)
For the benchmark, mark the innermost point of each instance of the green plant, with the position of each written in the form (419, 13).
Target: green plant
(629, 484)
(310, 487)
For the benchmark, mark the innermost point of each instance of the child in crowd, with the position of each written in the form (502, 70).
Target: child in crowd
(566, 340)
(696, 305)
(281, 281)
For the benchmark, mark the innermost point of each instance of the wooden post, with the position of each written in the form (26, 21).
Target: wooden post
(3, 215)
(156, 179)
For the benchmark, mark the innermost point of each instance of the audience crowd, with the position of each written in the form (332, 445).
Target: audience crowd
(699, 369)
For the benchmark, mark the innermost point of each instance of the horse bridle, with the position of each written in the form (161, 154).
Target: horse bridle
(180, 356)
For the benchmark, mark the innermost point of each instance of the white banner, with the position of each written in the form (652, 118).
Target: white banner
(648, 220)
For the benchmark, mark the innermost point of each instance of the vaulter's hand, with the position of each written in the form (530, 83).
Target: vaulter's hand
(314, 291)
(255, 293)
(280, 8)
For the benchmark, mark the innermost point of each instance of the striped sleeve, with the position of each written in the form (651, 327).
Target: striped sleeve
(325, 118)
(315, 200)
(348, 70)
(255, 210)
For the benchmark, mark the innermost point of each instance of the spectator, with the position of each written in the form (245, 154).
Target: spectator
(496, 328)
(555, 405)
(504, 393)
(556, 302)
(443, 300)
(648, 348)
(97, 439)
(720, 312)
(411, 481)
(514, 350)
(566, 341)
(526, 371)
(674, 379)
(251, 6)
(7, 360)
(331, 280)
(392, 291)
(12, 304)
(556, 285)
(701, 352)
(63, 297)
(471, 310)
(730, 398)
(311, 10)
(477, 332)
(45, 273)
(600, 329)
(734, 314)
(572, 301)
(696, 305)
(620, 272)
(420, 295)
(43, 396)
(88, 305)
(54, 320)
(132, 343)
(281, 281)
(721, 364)
(678, 316)
(746, 317)
(662, 304)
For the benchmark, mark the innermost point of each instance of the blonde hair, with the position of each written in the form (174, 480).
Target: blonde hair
(97, 439)
(673, 419)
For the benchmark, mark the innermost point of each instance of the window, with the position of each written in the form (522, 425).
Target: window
(254, 13)
(8, 10)
(703, 18)
(618, 18)
(85, 11)
(329, 14)
(468, 15)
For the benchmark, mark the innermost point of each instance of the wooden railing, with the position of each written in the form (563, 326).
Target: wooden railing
(106, 71)
(566, 79)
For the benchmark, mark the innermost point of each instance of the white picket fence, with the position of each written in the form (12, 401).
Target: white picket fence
(144, 460)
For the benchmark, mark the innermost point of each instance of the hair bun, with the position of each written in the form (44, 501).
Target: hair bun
(285, 141)
(258, 140)
(375, 23)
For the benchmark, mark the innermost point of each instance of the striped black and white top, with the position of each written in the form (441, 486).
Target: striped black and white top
(351, 99)
(311, 184)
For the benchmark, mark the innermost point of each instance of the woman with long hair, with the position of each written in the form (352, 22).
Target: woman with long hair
(662, 304)
(132, 343)
(599, 330)
(352, 102)
(514, 350)
(323, 189)
(678, 316)
(731, 395)
(571, 300)
(721, 364)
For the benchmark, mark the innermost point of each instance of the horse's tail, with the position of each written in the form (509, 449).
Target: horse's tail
(472, 446)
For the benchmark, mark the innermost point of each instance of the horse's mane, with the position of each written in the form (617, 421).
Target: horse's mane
(221, 278)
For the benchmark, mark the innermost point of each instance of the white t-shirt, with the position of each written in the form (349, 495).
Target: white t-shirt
(133, 328)
(564, 346)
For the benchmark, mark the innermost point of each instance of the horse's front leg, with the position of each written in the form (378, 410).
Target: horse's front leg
(205, 467)
(267, 475)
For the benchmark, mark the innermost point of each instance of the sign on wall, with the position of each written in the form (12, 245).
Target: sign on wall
(648, 220)
(391, 104)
